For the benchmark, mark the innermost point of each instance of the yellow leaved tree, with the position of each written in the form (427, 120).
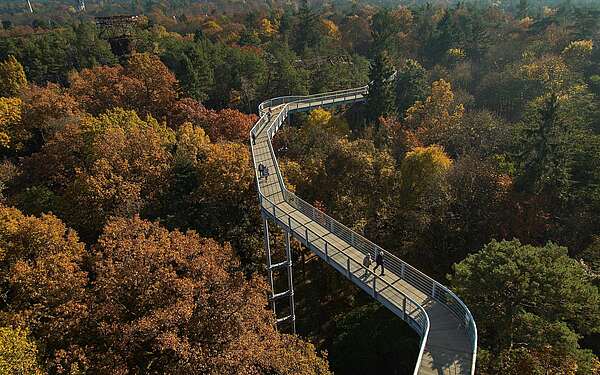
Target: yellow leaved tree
(332, 29)
(323, 119)
(12, 77)
(578, 53)
(267, 27)
(432, 118)
(17, 352)
(423, 172)
(11, 133)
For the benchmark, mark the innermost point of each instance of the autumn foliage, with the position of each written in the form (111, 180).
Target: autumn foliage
(481, 123)
(223, 125)
(162, 301)
(42, 276)
(144, 84)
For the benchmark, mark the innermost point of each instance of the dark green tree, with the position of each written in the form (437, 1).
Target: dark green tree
(441, 39)
(411, 85)
(477, 38)
(308, 33)
(522, 8)
(192, 66)
(381, 96)
(545, 159)
(371, 340)
(513, 288)
(383, 27)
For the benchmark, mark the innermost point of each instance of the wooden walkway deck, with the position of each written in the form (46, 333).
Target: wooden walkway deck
(448, 346)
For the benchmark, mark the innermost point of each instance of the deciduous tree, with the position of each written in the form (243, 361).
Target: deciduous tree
(423, 169)
(12, 78)
(43, 283)
(18, 354)
(12, 134)
(434, 117)
(170, 302)
(96, 167)
(145, 85)
(45, 111)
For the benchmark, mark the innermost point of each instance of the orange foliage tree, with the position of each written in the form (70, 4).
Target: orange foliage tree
(224, 125)
(45, 111)
(43, 283)
(169, 302)
(145, 84)
(114, 164)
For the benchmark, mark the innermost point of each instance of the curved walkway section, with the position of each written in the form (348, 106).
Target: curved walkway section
(446, 327)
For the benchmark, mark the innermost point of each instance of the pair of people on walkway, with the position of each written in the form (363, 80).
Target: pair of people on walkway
(263, 171)
(378, 262)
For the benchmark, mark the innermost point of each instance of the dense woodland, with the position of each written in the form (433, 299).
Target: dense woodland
(130, 237)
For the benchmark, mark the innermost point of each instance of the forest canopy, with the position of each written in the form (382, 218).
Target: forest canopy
(130, 235)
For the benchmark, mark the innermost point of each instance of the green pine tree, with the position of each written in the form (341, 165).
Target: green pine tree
(411, 85)
(544, 157)
(381, 96)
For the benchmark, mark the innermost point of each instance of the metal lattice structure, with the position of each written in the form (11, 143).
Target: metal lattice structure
(118, 30)
(444, 323)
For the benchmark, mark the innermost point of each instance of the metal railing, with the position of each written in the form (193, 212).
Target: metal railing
(417, 316)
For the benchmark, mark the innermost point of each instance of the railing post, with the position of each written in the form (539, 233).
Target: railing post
(326, 253)
(433, 290)
(404, 307)
(290, 223)
(402, 271)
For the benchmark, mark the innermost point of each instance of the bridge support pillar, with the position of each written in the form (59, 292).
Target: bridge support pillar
(271, 267)
(288, 254)
(269, 263)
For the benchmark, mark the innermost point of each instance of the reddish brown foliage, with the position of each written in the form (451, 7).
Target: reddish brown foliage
(45, 110)
(145, 85)
(224, 125)
(168, 302)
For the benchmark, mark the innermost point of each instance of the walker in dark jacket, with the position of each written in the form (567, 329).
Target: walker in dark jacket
(379, 262)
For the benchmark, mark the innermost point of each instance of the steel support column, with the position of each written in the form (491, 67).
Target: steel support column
(288, 254)
(271, 267)
(269, 264)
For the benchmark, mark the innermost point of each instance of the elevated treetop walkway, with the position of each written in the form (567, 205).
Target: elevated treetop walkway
(446, 327)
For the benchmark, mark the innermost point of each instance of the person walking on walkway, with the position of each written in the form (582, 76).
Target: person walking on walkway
(266, 173)
(261, 170)
(367, 263)
(379, 262)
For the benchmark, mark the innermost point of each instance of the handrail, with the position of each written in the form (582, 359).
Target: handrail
(272, 209)
(421, 320)
(410, 274)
